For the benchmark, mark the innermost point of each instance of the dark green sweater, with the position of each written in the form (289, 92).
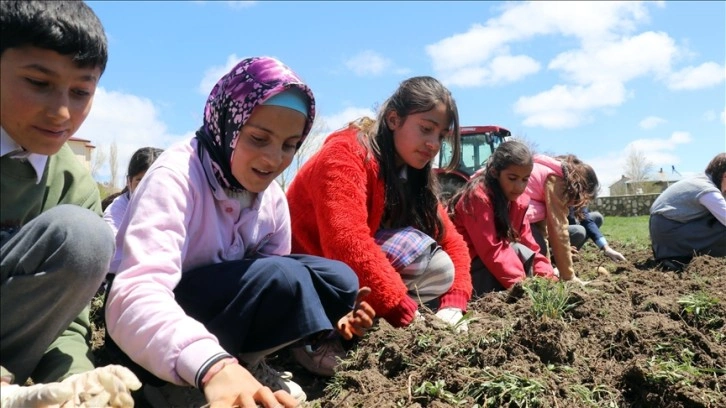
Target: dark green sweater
(65, 181)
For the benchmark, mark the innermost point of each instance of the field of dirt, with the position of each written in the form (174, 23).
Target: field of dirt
(635, 337)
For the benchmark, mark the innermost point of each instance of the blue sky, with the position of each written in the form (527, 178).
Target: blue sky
(595, 79)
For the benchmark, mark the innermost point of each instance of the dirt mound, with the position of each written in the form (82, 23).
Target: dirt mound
(634, 336)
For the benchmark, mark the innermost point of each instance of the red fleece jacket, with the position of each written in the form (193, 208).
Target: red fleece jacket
(475, 221)
(336, 205)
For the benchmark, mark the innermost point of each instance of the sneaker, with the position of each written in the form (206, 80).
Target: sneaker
(174, 396)
(322, 358)
(276, 380)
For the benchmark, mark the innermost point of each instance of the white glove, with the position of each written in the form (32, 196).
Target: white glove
(39, 395)
(613, 254)
(453, 316)
(108, 386)
(105, 386)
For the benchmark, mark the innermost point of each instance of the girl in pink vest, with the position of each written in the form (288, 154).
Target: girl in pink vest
(557, 183)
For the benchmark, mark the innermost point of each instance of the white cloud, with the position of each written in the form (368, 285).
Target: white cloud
(620, 60)
(521, 21)
(566, 106)
(651, 121)
(472, 48)
(501, 70)
(591, 22)
(611, 52)
(130, 121)
(368, 62)
(213, 74)
(723, 116)
(342, 118)
(703, 76)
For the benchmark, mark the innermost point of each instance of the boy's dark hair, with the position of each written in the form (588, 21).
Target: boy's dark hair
(509, 153)
(68, 27)
(414, 202)
(716, 168)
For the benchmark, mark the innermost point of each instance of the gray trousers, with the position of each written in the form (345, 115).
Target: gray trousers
(50, 270)
(578, 234)
(673, 239)
(484, 281)
(429, 276)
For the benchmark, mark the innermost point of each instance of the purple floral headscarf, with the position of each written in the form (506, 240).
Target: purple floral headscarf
(250, 83)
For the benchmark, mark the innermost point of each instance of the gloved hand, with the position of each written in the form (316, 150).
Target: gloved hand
(108, 386)
(452, 316)
(103, 387)
(35, 396)
(360, 319)
(613, 254)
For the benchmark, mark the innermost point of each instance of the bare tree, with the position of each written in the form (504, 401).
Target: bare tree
(98, 160)
(113, 163)
(530, 143)
(637, 169)
(312, 144)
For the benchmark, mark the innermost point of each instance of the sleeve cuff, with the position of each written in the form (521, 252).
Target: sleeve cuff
(403, 313)
(601, 242)
(455, 298)
(195, 357)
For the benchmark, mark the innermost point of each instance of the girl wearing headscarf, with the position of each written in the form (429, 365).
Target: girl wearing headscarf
(206, 286)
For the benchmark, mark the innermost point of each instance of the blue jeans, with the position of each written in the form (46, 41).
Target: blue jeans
(258, 304)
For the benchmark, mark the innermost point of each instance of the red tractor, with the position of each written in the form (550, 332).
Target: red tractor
(477, 144)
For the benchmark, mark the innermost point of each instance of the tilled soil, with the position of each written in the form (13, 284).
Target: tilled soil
(636, 337)
(633, 337)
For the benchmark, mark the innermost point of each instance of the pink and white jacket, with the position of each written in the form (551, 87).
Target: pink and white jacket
(176, 223)
(548, 210)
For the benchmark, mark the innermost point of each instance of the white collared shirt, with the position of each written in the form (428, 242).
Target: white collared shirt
(11, 147)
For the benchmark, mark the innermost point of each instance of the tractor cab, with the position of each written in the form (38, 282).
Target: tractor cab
(477, 144)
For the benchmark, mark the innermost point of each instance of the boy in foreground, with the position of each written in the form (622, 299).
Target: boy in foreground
(55, 248)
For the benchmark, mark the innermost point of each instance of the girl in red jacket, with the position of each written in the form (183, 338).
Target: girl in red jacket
(367, 198)
(490, 214)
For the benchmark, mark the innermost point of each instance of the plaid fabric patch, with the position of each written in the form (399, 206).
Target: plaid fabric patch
(402, 246)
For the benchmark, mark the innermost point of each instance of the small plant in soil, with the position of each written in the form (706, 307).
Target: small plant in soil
(699, 306)
(437, 389)
(549, 299)
(595, 395)
(505, 389)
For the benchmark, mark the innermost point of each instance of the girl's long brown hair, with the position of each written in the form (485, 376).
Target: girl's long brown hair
(580, 181)
(412, 202)
(509, 153)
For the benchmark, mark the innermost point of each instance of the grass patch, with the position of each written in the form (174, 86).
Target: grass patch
(595, 396)
(505, 390)
(549, 299)
(628, 231)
